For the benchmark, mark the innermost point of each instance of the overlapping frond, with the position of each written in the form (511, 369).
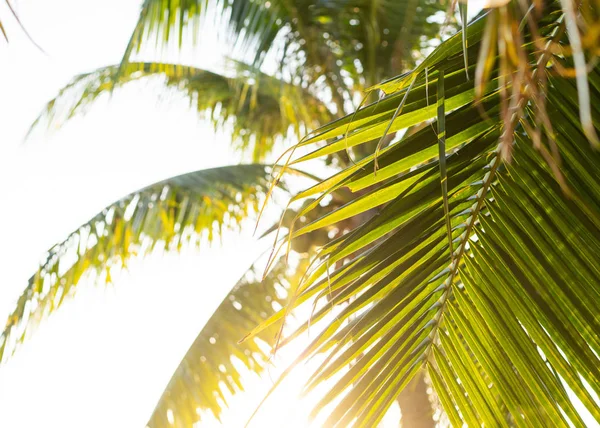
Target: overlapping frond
(178, 211)
(384, 36)
(481, 264)
(208, 368)
(259, 107)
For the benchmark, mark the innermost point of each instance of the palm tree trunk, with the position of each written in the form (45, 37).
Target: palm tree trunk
(414, 404)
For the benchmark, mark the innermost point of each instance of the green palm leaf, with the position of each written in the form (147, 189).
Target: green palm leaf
(260, 108)
(490, 281)
(169, 214)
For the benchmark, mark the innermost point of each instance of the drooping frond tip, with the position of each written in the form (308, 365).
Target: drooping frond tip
(259, 108)
(179, 211)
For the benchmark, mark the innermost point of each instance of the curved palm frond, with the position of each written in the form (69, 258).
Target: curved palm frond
(169, 214)
(260, 107)
(208, 366)
(481, 265)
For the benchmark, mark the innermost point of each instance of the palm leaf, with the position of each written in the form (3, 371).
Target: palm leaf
(207, 368)
(260, 107)
(178, 211)
(489, 281)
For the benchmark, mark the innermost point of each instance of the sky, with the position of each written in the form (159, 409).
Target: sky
(104, 358)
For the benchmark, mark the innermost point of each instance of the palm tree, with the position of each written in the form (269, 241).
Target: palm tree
(326, 54)
(480, 266)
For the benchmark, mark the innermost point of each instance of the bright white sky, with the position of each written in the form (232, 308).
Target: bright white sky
(105, 357)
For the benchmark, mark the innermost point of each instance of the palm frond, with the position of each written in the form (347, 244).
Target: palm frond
(251, 26)
(178, 211)
(208, 367)
(260, 108)
(489, 281)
